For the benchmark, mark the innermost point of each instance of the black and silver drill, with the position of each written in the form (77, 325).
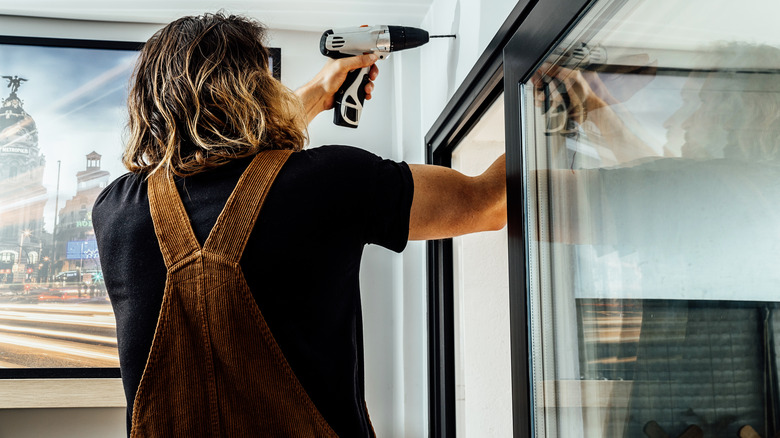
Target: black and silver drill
(354, 41)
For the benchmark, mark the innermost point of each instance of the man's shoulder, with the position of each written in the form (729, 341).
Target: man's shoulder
(338, 154)
(114, 199)
(120, 187)
(332, 163)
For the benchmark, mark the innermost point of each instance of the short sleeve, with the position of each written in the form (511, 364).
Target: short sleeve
(388, 204)
(343, 196)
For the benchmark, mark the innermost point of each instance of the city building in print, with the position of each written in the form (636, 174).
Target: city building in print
(28, 253)
(75, 238)
(23, 240)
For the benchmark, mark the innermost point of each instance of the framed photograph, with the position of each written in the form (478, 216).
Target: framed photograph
(62, 120)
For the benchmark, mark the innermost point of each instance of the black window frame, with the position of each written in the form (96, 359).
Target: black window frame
(531, 31)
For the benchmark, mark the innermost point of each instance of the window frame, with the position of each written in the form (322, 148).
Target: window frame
(529, 33)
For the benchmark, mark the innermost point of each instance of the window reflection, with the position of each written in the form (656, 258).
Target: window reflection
(673, 216)
(654, 188)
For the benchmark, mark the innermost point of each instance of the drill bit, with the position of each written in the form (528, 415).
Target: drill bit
(442, 36)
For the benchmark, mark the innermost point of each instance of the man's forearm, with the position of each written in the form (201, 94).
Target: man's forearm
(310, 98)
(493, 193)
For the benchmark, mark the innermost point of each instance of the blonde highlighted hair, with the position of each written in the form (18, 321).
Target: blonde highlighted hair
(202, 94)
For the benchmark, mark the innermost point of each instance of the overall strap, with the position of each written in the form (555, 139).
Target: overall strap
(171, 224)
(237, 220)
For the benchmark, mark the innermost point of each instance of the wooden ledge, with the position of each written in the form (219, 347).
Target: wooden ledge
(61, 393)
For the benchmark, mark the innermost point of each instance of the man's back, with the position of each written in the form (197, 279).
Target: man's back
(301, 263)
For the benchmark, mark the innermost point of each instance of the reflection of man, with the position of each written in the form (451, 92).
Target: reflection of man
(577, 101)
(14, 82)
(726, 109)
(703, 222)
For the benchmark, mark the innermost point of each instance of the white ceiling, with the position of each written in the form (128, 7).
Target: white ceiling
(309, 15)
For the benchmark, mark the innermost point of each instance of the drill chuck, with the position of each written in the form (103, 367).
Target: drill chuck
(403, 37)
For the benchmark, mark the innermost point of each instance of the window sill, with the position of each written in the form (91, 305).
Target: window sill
(61, 393)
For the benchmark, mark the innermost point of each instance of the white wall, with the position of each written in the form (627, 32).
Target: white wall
(446, 62)
(410, 302)
(425, 79)
(483, 383)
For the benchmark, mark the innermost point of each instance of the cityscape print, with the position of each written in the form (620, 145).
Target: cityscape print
(62, 117)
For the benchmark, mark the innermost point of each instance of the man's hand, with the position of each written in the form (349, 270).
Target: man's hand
(447, 203)
(582, 95)
(317, 94)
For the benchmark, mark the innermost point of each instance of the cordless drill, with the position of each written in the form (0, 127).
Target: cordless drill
(354, 41)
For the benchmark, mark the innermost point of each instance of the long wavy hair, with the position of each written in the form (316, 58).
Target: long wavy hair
(202, 94)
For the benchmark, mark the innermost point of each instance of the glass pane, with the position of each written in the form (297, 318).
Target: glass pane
(62, 116)
(483, 387)
(653, 191)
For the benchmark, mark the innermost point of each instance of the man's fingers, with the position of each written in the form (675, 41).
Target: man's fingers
(373, 73)
(340, 68)
(355, 62)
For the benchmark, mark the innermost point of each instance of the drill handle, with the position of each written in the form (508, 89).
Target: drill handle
(348, 101)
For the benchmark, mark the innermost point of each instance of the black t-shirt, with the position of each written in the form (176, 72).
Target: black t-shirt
(301, 263)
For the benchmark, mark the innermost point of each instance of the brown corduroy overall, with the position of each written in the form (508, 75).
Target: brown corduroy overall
(214, 368)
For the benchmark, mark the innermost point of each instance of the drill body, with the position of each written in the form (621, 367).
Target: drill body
(354, 41)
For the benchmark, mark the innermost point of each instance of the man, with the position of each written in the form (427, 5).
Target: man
(210, 125)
